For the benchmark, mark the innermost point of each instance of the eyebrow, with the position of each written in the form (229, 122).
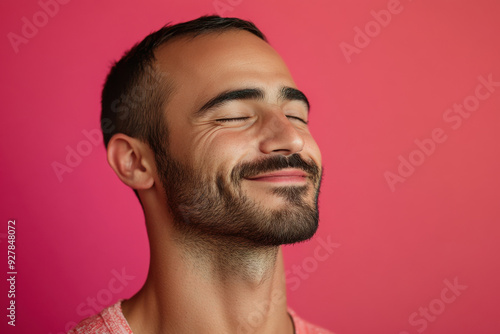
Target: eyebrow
(292, 94)
(286, 93)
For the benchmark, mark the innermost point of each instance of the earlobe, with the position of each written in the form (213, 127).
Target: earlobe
(131, 160)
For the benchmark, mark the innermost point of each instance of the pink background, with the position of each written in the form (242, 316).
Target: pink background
(395, 248)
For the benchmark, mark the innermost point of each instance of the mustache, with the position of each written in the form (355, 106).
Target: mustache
(275, 163)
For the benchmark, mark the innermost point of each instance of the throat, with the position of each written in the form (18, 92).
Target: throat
(231, 259)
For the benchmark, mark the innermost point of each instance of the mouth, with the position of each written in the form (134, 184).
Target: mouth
(281, 176)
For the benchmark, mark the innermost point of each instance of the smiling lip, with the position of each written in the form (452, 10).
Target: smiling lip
(281, 176)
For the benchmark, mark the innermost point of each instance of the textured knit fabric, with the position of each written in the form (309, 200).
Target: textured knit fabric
(112, 321)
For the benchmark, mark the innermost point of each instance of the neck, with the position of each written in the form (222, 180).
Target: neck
(209, 285)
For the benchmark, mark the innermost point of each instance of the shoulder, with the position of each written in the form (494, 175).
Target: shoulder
(304, 327)
(108, 321)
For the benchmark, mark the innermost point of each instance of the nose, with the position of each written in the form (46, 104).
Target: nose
(278, 135)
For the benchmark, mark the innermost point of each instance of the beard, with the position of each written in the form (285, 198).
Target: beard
(216, 209)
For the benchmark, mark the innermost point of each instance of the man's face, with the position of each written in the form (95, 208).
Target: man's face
(246, 167)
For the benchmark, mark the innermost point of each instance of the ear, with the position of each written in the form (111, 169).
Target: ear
(132, 160)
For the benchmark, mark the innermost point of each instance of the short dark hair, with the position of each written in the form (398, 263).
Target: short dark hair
(135, 91)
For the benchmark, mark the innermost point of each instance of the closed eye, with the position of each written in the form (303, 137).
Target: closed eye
(231, 119)
(297, 118)
(236, 119)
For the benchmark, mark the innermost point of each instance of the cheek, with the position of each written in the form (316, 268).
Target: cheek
(219, 151)
(312, 148)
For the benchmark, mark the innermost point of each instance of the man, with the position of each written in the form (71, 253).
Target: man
(204, 121)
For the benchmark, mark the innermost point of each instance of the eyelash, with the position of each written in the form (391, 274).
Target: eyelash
(231, 119)
(244, 118)
(298, 118)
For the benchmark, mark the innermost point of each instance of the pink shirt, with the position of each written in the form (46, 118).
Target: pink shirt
(112, 321)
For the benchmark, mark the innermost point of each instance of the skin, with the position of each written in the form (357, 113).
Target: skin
(218, 289)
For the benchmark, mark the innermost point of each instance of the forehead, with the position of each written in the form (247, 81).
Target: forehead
(202, 67)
